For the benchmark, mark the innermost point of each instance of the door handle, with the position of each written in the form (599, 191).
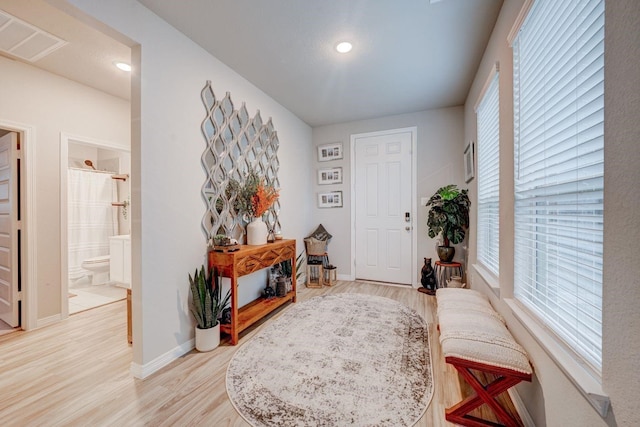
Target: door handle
(408, 228)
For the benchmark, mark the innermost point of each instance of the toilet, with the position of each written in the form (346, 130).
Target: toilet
(99, 267)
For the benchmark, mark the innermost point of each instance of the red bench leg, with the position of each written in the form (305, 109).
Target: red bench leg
(505, 379)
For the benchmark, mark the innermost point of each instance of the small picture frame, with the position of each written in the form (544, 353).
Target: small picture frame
(330, 199)
(329, 176)
(469, 171)
(327, 152)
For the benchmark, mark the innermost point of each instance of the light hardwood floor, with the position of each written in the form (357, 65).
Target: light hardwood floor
(76, 373)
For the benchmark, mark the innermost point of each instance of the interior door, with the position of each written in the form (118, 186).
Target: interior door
(9, 292)
(383, 226)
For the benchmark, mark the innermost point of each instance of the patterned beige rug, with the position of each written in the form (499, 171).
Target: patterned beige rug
(335, 360)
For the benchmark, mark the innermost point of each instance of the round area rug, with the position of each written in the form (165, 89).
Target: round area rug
(335, 360)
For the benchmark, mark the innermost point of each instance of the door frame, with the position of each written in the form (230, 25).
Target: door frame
(414, 240)
(28, 252)
(65, 139)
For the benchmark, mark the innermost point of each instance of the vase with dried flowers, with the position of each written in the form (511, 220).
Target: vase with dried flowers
(253, 198)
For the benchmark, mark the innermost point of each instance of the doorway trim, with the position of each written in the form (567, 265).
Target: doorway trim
(29, 306)
(65, 139)
(414, 240)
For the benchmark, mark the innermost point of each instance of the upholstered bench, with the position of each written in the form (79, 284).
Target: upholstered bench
(473, 336)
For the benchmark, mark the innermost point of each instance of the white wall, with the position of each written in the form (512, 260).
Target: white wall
(167, 208)
(551, 398)
(439, 162)
(51, 105)
(621, 313)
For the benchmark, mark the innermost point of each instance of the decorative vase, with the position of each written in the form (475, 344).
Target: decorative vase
(257, 232)
(269, 292)
(207, 339)
(281, 287)
(446, 253)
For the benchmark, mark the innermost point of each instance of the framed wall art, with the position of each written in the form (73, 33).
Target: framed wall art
(329, 176)
(468, 162)
(330, 199)
(327, 152)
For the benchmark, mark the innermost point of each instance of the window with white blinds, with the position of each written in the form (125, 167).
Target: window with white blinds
(559, 165)
(488, 231)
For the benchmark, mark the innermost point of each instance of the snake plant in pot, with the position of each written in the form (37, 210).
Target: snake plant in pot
(449, 217)
(206, 306)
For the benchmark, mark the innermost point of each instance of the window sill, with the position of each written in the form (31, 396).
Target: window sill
(575, 371)
(489, 278)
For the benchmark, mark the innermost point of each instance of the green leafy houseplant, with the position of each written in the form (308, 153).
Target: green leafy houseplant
(207, 300)
(449, 217)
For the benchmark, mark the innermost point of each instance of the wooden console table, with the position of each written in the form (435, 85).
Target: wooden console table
(249, 259)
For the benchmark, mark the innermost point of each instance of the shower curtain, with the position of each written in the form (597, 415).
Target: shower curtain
(92, 219)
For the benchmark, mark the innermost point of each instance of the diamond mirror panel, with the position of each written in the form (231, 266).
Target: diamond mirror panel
(235, 143)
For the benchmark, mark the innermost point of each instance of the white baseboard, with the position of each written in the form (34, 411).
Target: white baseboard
(522, 410)
(143, 371)
(46, 321)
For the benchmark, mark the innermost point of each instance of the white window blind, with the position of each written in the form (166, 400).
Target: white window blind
(559, 164)
(488, 233)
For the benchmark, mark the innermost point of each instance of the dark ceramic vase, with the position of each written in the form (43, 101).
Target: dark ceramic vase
(281, 287)
(446, 253)
(269, 292)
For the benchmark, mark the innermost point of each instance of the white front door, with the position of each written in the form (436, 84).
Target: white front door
(8, 231)
(383, 219)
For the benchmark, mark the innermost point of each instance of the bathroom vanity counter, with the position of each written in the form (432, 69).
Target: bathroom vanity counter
(120, 265)
(246, 260)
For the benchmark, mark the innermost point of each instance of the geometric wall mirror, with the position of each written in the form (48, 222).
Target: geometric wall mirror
(235, 143)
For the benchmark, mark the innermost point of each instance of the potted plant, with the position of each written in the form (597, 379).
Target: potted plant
(206, 306)
(253, 198)
(448, 216)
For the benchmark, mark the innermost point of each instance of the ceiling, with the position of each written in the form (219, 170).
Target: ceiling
(87, 57)
(408, 55)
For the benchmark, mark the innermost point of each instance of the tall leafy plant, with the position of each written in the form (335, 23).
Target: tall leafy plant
(449, 214)
(207, 301)
(300, 266)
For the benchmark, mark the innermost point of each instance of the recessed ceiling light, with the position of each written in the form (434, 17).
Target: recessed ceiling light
(344, 47)
(123, 66)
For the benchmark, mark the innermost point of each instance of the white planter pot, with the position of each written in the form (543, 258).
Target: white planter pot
(455, 282)
(257, 232)
(207, 339)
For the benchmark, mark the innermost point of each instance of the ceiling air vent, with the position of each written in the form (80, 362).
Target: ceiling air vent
(25, 41)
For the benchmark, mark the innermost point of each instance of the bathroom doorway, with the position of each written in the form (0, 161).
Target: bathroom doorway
(95, 222)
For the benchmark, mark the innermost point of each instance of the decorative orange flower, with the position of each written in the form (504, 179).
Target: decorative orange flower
(253, 197)
(263, 199)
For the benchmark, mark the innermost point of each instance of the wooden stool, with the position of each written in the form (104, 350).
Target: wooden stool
(444, 271)
(315, 275)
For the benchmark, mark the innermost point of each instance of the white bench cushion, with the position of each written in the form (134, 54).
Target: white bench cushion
(464, 300)
(477, 333)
